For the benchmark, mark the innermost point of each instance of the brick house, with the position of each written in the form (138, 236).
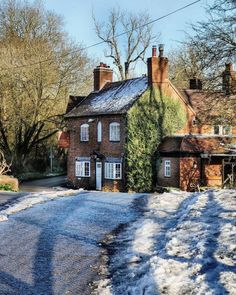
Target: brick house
(206, 156)
(98, 134)
(97, 131)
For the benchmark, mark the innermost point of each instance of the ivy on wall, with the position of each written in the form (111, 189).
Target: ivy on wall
(152, 117)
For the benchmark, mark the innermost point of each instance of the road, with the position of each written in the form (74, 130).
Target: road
(54, 248)
(39, 185)
(8, 197)
(43, 184)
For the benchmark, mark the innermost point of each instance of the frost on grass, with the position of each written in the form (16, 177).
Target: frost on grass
(33, 199)
(183, 244)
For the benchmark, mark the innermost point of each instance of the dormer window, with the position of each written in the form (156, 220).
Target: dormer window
(114, 132)
(84, 132)
(222, 130)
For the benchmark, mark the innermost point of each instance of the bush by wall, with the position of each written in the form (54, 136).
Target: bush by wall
(8, 183)
(153, 117)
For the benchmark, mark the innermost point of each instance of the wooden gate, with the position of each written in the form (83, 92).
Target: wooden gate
(229, 173)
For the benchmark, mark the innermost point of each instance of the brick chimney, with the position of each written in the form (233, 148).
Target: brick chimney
(157, 67)
(229, 79)
(102, 74)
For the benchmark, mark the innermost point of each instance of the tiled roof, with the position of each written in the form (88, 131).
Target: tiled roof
(73, 102)
(198, 144)
(208, 105)
(114, 98)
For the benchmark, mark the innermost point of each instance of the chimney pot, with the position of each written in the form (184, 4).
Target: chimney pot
(161, 50)
(154, 51)
(157, 68)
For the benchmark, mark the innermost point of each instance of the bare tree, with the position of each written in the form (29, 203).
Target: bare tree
(39, 66)
(184, 65)
(214, 41)
(212, 44)
(4, 166)
(129, 47)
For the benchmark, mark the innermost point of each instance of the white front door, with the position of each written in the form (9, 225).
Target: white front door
(98, 176)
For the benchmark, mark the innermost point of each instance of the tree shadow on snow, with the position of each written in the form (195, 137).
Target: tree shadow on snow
(120, 268)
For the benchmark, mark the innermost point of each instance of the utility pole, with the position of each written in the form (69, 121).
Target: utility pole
(51, 158)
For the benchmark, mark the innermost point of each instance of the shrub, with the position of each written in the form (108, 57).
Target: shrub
(154, 116)
(6, 187)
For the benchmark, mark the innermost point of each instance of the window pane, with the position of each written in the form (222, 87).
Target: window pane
(167, 168)
(118, 171)
(217, 129)
(86, 169)
(78, 168)
(82, 169)
(226, 130)
(114, 132)
(99, 132)
(113, 171)
(84, 132)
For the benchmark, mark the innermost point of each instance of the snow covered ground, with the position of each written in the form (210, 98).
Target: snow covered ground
(183, 244)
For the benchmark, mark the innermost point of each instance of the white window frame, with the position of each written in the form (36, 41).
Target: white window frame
(114, 131)
(221, 130)
(84, 132)
(80, 168)
(111, 170)
(167, 168)
(99, 131)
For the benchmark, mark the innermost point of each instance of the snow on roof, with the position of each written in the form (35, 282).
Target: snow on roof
(114, 98)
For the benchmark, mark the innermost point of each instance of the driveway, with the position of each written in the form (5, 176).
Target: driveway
(54, 248)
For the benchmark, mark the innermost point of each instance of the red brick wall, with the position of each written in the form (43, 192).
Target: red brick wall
(173, 180)
(189, 175)
(85, 149)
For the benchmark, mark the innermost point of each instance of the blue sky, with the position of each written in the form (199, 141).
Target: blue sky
(77, 15)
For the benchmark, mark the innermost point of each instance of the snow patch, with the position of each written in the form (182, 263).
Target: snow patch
(118, 97)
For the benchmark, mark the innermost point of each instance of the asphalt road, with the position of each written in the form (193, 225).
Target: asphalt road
(54, 248)
(44, 184)
(39, 185)
(7, 197)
